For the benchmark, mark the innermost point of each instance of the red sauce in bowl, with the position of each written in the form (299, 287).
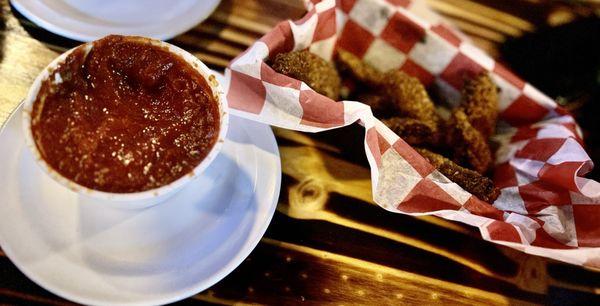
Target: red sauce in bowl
(127, 116)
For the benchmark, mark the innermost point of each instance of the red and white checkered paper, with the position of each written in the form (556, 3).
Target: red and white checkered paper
(546, 206)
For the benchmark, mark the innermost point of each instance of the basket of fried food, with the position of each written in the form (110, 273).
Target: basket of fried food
(457, 144)
(448, 131)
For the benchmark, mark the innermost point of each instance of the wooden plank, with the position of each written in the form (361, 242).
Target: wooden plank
(28, 298)
(207, 44)
(242, 23)
(225, 32)
(277, 273)
(268, 12)
(489, 47)
(18, 71)
(447, 9)
(490, 13)
(474, 30)
(409, 254)
(211, 60)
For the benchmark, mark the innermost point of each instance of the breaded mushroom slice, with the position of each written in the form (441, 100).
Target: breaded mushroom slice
(380, 105)
(406, 93)
(311, 69)
(478, 185)
(469, 146)
(413, 131)
(480, 103)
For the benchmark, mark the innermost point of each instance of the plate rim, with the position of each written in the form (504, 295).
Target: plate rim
(236, 260)
(167, 34)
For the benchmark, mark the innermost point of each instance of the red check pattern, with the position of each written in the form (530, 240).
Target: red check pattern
(546, 206)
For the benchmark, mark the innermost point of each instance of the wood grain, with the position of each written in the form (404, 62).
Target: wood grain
(333, 278)
(328, 242)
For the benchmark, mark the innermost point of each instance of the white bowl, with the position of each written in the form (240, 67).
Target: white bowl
(135, 199)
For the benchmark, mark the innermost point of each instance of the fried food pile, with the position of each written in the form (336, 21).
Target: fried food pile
(457, 146)
(407, 95)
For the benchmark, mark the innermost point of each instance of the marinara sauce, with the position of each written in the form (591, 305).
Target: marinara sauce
(125, 116)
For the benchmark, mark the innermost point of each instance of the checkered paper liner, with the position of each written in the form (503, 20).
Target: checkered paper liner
(546, 206)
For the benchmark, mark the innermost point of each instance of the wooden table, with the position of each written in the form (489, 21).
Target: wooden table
(328, 241)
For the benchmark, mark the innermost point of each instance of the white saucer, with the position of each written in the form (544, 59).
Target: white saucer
(92, 19)
(93, 254)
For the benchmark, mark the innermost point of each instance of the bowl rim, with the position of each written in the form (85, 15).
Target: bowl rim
(170, 188)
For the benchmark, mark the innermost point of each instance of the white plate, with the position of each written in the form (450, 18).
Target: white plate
(92, 19)
(93, 254)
